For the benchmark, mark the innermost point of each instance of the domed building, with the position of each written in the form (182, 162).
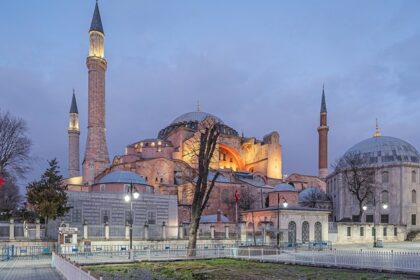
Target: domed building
(396, 166)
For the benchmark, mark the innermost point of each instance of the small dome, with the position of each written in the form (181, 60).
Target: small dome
(312, 192)
(386, 150)
(124, 177)
(284, 187)
(195, 117)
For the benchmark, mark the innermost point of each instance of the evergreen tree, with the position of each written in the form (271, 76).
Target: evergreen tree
(47, 196)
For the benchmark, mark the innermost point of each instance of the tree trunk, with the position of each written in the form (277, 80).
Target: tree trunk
(46, 227)
(359, 216)
(192, 238)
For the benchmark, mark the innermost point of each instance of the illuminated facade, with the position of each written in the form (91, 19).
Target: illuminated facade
(244, 162)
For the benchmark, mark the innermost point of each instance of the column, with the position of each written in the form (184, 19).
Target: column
(85, 230)
(106, 231)
(38, 229)
(163, 230)
(12, 230)
(146, 231)
(212, 231)
(180, 231)
(25, 230)
(227, 231)
(127, 232)
(242, 229)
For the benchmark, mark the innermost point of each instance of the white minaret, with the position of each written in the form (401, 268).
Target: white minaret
(74, 133)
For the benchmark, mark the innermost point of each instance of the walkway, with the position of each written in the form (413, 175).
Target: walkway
(23, 268)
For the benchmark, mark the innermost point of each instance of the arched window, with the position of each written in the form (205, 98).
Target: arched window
(318, 231)
(413, 176)
(385, 177)
(305, 232)
(413, 196)
(292, 233)
(385, 197)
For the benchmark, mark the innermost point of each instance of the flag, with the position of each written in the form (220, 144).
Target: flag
(236, 196)
(1, 181)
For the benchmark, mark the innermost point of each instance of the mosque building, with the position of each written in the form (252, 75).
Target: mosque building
(155, 166)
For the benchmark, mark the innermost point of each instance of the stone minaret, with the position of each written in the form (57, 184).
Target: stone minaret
(96, 154)
(323, 140)
(74, 132)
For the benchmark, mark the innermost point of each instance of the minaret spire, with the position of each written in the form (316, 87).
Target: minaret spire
(323, 104)
(323, 139)
(74, 133)
(96, 24)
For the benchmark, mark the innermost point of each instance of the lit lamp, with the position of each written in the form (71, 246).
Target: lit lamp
(129, 198)
(364, 207)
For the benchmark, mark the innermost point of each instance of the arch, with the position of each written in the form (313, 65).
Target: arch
(413, 196)
(305, 232)
(385, 177)
(318, 231)
(413, 176)
(237, 160)
(292, 233)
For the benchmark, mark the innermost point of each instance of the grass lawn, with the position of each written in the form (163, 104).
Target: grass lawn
(229, 269)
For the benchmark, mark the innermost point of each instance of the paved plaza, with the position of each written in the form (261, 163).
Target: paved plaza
(23, 268)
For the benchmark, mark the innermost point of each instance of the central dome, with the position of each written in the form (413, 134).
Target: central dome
(191, 121)
(386, 150)
(195, 117)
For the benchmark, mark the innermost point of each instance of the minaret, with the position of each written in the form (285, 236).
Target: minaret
(74, 132)
(323, 139)
(96, 154)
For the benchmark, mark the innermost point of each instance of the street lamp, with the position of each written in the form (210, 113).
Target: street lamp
(285, 204)
(129, 197)
(364, 207)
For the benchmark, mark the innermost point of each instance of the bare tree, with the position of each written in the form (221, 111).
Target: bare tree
(358, 176)
(313, 197)
(15, 146)
(208, 135)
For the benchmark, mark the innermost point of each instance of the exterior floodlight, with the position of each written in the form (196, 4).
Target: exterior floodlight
(127, 198)
(285, 204)
(364, 207)
(385, 206)
(136, 195)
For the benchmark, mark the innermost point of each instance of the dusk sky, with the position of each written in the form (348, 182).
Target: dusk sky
(258, 65)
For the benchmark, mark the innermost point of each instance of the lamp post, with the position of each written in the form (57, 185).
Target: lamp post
(129, 197)
(285, 204)
(364, 207)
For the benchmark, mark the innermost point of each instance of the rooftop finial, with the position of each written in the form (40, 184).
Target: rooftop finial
(323, 104)
(198, 105)
(377, 131)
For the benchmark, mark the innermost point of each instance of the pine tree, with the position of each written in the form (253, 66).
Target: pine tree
(47, 196)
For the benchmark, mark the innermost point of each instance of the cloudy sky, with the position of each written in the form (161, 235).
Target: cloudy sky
(258, 65)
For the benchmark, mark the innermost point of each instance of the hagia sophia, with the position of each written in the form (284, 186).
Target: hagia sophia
(247, 164)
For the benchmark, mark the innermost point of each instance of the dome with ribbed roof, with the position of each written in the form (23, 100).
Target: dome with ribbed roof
(283, 187)
(195, 117)
(191, 120)
(384, 150)
(123, 177)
